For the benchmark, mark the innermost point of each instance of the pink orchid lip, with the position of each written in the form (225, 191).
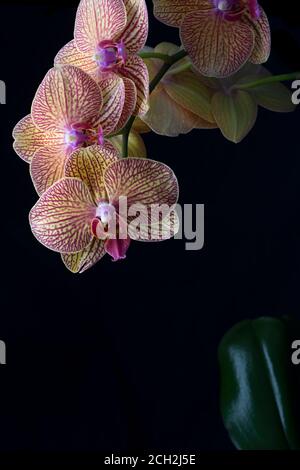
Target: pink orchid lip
(117, 249)
(75, 138)
(110, 55)
(80, 135)
(105, 227)
(233, 10)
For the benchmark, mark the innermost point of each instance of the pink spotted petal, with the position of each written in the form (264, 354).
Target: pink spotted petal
(113, 91)
(262, 47)
(172, 12)
(89, 165)
(141, 181)
(61, 219)
(47, 167)
(66, 96)
(85, 259)
(136, 69)
(70, 55)
(98, 20)
(129, 103)
(117, 249)
(217, 48)
(29, 139)
(136, 32)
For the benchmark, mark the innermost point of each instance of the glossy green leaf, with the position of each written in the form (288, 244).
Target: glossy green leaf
(259, 386)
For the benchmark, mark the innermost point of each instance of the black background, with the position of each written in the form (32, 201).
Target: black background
(124, 356)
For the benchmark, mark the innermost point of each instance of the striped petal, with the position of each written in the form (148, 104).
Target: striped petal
(137, 71)
(189, 92)
(129, 103)
(167, 228)
(235, 114)
(136, 146)
(166, 117)
(172, 12)
(85, 259)
(28, 138)
(98, 20)
(217, 48)
(89, 165)
(66, 96)
(136, 32)
(61, 219)
(113, 92)
(141, 181)
(70, 55)
(47, 167)
(262, 48)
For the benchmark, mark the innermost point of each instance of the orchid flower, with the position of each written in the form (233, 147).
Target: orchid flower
(107, 37)
(73, 217)
(68, 111)
(220, 36)
(235, 100)
(180, 102)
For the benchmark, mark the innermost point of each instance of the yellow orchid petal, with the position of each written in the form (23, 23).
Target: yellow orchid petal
(136, 70)
(47, 167)
(28, 138)
(202, 124)
(172, 12)
(142, 181)
(216, 47)
(166, 117)
(70, 55)
(89, 165)
(61, 219)
(113, 91)
(136, 146)
(235, 114)
(262, 47)
(135, 34)
(275, 97)
(129, 103)
(140, 126)
(98, 20)
(170, 49)
(167, 48)
(85, 259)
(187, 90)
(66, 96)
(156, 231)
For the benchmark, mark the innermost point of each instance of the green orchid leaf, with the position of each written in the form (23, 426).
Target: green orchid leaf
(260, 385)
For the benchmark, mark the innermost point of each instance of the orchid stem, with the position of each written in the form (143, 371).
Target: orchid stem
(268, 80)
(156, 55)
(153, 84)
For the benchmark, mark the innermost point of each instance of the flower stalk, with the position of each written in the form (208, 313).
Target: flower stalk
(169, 62)
(267, 80)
